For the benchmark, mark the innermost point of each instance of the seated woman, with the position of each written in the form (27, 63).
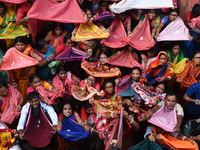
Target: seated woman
(22, 75)
(62, 82)
(153, 20)
(100, 68)
(124, 89)
(86, 89)
(11, 102)
(8, 28)
(46, 90)
(88, 115)
(176, 58)
(71, 127)
(191, 73)
(157, 71)
(45, 52)
(56, 35)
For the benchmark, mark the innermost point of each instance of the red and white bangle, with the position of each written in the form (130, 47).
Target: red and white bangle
(83, 123)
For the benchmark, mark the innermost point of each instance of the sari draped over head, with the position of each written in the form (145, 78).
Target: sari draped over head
(155, 73)
(55, 42)
(71, 130)
(89, 31)
(11, 102)
(189, 75)
(102, 71)
(38, 128)
(144, 145)
(178, 64)
(103, 106)
(84, 92)
(165, 118)
(44, 73)
(147, 95)
(20, 68)
(63, 86)
(124, 88)
(174, 143)
(50, 96)
(9, 30)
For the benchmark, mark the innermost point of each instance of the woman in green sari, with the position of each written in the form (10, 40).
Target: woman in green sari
(176, 58)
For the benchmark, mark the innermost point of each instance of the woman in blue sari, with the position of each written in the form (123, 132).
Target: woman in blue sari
(47, 53)
(71, 127)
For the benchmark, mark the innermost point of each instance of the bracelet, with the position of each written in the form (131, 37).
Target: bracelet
(2, 59)
(120, 102)
(191, 137)
(16, 134)
(184, 138)
(141, 11)
(129, 32)
(48, 59)
(50, 88)
(92, 130)
(112, 115)
(89, 50)
(169, 77)
(131, 121)
(83, 123)
(34, 55)
(73, 31)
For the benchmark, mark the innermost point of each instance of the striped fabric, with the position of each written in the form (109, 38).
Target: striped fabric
(88, 31)
(175, 31)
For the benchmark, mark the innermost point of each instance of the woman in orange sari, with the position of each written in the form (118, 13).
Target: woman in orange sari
(191, 72)
(22, 75)
(158, 71)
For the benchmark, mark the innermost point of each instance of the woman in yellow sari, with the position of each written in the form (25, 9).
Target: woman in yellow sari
(176, 58)
(8, 28)
(22, 75)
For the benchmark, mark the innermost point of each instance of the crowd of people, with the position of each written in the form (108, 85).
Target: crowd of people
(98, 75)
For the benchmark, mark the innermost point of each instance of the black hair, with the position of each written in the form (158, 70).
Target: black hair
(164, 83)
(32, 77)
(171, 93)
(3, 84)
(86, 104)
(154, 49)
(67, 36)
(103, 53)
(196, 10)
(175, 43)
(198, 36)
(195, 128)
(60, 68)
(101, 2)
(137, 68)
(58, 24)
(109, 80)
(2, 4)
(152, 9)
(174, 10)
(86, 9)
(195, 52)
(21, 39)
(87, 75)
(40, 44)
(32, 95)
(70, 103)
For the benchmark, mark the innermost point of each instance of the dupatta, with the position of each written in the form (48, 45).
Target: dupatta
(84, 92)
(163, 72)
(11, 102)
(38, 129)
(71, 130)
(189, 75)
(178, 64)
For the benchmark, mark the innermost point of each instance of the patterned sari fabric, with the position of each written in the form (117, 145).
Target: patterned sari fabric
(84, 92)
(147, 95)
(140, 112)
(175, 143)
(71, 130)
(8, 28)
(178, 64)
(64, 86)
(102, 71)
(88, 31)
(103, 106)
(155, 73)
(55, 42)
(50, 96)
(11, 102)
(189, 76)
